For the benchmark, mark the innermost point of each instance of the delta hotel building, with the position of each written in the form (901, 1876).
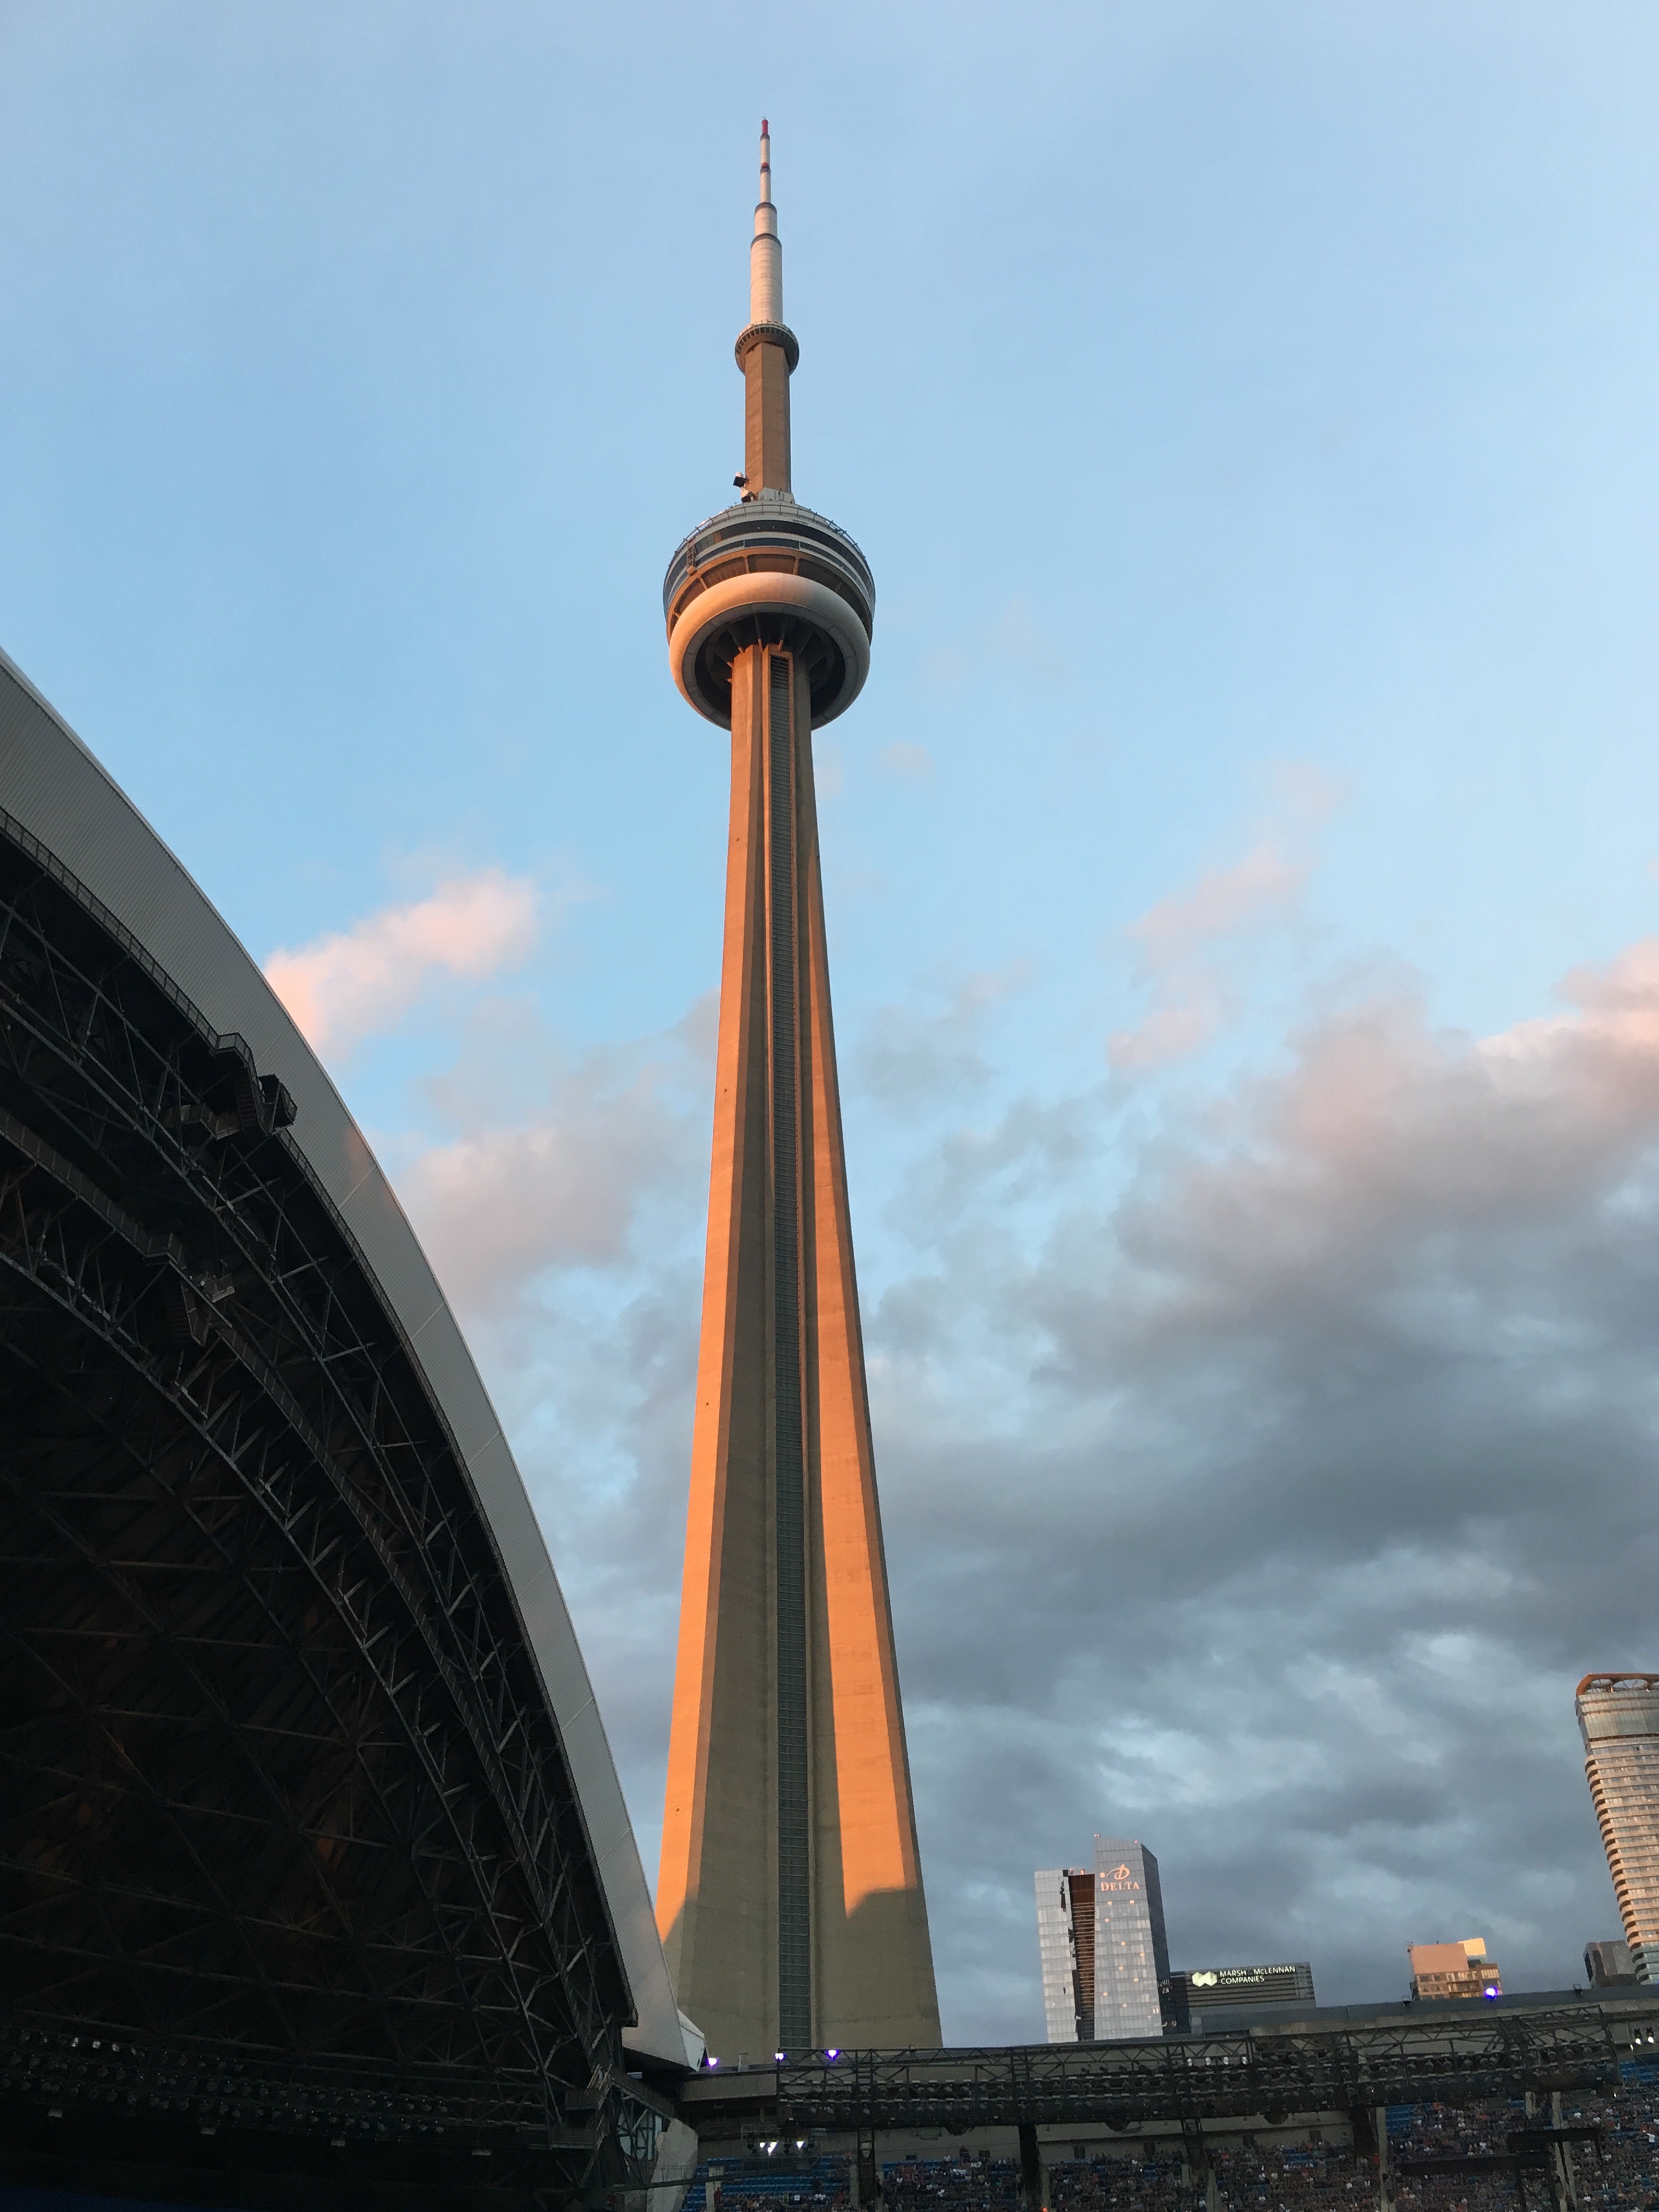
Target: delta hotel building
(1105, 1959)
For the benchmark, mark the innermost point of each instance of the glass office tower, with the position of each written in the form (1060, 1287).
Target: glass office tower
(1132, 1954)
(1066, 1944)
(1100, 1938)
(1619, 1719)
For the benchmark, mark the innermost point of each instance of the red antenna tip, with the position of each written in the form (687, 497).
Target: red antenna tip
(766, 128)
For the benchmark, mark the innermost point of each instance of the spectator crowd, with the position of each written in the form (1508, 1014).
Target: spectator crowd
(1617, 2170)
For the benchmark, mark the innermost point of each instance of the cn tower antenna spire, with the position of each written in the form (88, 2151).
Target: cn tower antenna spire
(767, 350)
(766, 254)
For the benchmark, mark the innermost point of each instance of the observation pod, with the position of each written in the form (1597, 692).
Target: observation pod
(790, 1899)
(769, 573)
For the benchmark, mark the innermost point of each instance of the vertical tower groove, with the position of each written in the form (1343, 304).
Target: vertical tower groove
(790, 1896)
(794, 1832)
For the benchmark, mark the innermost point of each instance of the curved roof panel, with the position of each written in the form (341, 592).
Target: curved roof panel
(56, 791)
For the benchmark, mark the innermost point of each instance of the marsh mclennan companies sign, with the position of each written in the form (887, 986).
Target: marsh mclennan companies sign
(1241, 1978)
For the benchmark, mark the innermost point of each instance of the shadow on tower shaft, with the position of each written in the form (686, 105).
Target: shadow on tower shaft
(790, 1895)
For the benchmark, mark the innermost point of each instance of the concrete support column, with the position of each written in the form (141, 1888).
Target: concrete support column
(1033, 2176)
(1564, 2181)
(1197, 2172)
(866, 2174)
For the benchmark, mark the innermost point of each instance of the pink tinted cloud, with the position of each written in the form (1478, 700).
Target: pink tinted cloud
(501, 1202)
(1175, 936)
(1223, 901)
(499, 1206)
(1386, 1132)
(354, 983)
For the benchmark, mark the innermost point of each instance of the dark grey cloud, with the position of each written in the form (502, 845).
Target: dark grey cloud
(1334, 1467)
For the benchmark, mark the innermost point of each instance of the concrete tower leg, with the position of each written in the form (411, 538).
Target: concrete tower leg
(791, 1896)
(717, 1892)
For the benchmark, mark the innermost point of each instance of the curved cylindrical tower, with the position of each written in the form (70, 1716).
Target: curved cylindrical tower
(790, 1899)
(1619, 1719)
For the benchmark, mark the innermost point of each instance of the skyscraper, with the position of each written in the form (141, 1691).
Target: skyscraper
(790, 1896)
(1619, 1719)
(1132, 1954)
(1066, 1949)
(1102, 1946)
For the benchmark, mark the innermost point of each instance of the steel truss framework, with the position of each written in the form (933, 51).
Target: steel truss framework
(1269, 2074)
(279, 1780)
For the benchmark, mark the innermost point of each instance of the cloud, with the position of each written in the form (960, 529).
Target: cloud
(1185, 945)
(1174, 939)
(1222, 902)
(502, 1203)
(354, 983)
(902, 758)
(1271, 1509)
(908, 1054)
(563, 1207)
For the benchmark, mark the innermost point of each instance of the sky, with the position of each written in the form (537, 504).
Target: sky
(1242, 868)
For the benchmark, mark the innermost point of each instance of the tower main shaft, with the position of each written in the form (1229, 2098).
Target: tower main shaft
(790, 1896)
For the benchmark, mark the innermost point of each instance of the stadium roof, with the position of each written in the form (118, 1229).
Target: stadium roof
(122, 954)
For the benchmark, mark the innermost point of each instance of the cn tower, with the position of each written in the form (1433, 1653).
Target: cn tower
(790, 1896)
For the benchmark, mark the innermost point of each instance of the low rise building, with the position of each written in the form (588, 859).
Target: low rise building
(1211, 2000)
(1454, 1970)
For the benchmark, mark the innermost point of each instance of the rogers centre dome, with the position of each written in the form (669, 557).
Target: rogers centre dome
(313, 1856)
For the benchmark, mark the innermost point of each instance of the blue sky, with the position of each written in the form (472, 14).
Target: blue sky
(1247, 415)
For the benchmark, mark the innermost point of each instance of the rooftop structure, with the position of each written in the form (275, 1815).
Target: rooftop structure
(1454, 1970)
(1619, 1719)
(790, 1897)
(1609, 1966)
